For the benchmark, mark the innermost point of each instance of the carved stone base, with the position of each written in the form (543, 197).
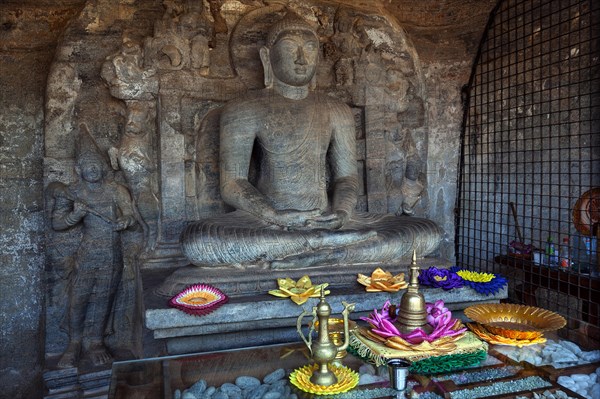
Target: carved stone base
(236, 282)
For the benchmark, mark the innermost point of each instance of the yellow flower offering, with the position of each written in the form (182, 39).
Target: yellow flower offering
(382, 280)
(298, 291)
(476, 277)
(346, 380)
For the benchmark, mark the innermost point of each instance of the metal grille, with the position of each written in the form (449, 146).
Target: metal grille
(530, 163)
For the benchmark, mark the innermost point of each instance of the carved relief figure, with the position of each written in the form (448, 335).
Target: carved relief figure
(411, 188)
(126, 76)
(104, 208)
(134, 157)
(181, 39)
(346, 45)
(287, 219)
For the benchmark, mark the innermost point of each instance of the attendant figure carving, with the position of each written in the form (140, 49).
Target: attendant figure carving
(104, 208)
(126, 76)
(411, 187)
(291, 217)
(134, 157)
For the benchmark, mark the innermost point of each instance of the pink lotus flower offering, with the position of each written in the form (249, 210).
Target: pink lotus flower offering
(438, 317)
(199, 299)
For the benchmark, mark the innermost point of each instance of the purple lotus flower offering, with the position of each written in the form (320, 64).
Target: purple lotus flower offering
(438, 317)
(382, 323)
(440, 278)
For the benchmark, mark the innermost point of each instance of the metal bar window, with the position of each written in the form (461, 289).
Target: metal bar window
(530, 162)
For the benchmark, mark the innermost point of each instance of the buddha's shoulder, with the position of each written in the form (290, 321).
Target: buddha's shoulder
(248, 102)
(333, 104)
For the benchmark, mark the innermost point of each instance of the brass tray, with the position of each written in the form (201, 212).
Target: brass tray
(515, 321)
(482, 332)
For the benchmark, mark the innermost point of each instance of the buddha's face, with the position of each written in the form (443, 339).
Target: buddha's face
(294, 57)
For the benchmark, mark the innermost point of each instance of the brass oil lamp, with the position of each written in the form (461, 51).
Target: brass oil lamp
(324, 351)
(412, 312)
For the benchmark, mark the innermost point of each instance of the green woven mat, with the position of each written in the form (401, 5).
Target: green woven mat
(434, 364)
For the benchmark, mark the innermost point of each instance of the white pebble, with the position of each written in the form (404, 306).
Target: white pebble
(366, 369)
(382, 371)
(369, 379)
(561, 395)
(590, 357)
(595, 391)
(572, 346)
(565, 380)
(580, 377)
(560, 357)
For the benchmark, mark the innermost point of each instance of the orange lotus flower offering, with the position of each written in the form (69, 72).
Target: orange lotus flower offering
(382, 280)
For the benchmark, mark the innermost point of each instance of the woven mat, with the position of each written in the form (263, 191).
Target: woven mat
(380, 353)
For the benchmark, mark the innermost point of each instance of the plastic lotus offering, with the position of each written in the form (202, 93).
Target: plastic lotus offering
(440, 278)
(298, 291)
(484, 283)
(346, 380)
(444, 329)
(382, 280)
(199, 299)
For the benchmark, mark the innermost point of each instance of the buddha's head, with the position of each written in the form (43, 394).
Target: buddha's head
(291, 52)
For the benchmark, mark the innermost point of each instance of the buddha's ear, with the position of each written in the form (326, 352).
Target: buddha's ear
(312, 85)
(266, 62)
(313, 82)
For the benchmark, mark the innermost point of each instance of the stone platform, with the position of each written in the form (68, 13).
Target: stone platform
(257, 318)
(252, 281)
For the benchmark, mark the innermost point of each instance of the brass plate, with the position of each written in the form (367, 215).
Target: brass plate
(515, 321)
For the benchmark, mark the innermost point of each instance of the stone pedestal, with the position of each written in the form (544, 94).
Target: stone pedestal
(251, 319)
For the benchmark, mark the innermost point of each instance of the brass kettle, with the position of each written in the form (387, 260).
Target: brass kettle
(324, 351)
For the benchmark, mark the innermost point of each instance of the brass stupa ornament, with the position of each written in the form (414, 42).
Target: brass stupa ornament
(412, 312)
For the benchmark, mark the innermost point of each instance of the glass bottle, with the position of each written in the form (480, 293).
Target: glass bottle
(565, 254)
(551, 255)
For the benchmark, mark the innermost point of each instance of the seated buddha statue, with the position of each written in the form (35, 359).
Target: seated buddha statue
(289, 216)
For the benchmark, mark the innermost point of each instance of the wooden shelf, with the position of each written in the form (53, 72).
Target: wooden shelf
(581, 286)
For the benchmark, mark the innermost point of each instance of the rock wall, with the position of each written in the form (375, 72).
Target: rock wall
(29, 33)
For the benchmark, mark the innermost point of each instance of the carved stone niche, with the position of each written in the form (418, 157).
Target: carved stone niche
(150, 92)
